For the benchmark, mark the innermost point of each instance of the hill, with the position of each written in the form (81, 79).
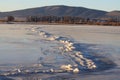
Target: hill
(56, 11)
(114, 13)
(61, 10)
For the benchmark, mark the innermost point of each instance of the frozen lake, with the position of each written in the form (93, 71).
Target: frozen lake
(26, 46)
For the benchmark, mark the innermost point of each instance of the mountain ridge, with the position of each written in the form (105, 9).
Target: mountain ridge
(59, 10)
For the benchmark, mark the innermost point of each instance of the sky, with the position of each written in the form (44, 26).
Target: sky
(106, 5)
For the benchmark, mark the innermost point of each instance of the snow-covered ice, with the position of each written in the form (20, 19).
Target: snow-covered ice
(60, 49)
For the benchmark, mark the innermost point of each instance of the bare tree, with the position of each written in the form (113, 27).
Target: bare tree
(10, 18)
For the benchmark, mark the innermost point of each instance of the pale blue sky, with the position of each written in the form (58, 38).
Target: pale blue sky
(107, 5)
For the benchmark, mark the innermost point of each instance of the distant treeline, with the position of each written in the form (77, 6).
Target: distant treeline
(74, 20)
(115, 21)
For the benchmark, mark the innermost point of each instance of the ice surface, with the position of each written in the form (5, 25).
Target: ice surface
(59, 49)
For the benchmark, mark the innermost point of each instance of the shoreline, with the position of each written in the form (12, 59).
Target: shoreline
(45, 23)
